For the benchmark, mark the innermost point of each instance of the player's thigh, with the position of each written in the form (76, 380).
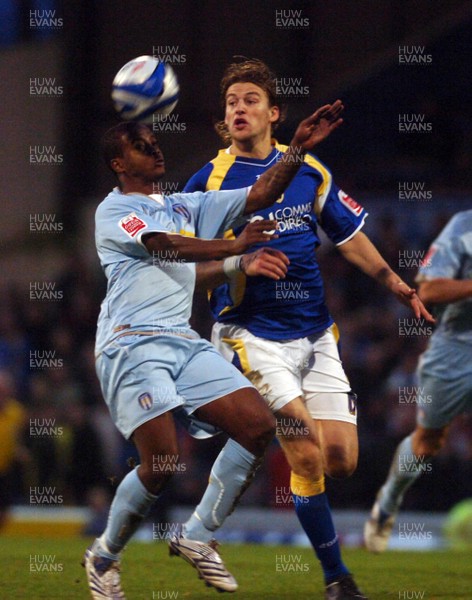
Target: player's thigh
(217, 393)
(297, 435)
(331, 403)
(244, 416)
(270, 365)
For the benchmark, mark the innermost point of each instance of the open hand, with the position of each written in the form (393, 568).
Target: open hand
(318, 126)
(408, 296)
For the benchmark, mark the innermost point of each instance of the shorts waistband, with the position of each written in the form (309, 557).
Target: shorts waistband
(149, 334)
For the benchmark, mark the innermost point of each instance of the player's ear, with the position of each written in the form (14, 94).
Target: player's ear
(117, 165)
(274, 112)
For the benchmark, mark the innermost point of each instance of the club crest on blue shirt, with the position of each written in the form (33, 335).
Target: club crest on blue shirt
(145, 401)
(182, 211)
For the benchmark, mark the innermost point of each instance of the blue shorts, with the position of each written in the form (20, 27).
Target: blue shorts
(142, 377)
(445, 378)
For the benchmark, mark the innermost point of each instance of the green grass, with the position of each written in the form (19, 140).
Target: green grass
(149, 573)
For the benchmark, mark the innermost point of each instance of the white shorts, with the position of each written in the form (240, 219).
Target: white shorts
(308, 367)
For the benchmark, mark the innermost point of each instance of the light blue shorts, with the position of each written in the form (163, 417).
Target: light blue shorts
(445, 378)
(143, 377)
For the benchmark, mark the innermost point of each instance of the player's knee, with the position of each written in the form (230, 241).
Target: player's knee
(264, 431)
(156, 474)
(339, 464)
(257, 434)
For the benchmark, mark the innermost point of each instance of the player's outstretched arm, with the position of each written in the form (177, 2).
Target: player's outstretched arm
(309, 133)
(182, 248)
(266, 262)
(362, 253)
(443, 290)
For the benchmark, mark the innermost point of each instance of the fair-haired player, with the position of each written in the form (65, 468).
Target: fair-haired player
(148, 359)
(444, 371)
(280, 333)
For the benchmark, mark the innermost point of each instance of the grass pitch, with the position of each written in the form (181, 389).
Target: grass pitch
(36, 568)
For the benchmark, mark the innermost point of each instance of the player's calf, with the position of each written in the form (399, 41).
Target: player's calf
(428, 442)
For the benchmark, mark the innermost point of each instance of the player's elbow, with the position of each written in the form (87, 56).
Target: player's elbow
(159, 243)
(254, 201)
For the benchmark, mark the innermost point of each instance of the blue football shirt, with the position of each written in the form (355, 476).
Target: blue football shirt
(294, 307)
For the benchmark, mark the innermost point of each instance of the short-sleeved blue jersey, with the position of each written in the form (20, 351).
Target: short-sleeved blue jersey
(294, 307)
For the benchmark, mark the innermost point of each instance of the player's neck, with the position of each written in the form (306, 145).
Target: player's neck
(251, 149)
(139, 187)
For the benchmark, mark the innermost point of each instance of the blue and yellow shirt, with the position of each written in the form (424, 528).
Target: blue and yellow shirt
(294, 307)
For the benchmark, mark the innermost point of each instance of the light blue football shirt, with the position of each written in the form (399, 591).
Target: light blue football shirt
(154, 293)
(450, 257)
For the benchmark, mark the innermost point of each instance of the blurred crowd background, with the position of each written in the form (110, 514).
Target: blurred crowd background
(349, 50)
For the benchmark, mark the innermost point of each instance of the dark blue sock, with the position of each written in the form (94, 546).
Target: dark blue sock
(314, 514)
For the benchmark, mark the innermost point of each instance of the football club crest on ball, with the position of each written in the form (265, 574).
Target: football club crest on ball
(145, 401)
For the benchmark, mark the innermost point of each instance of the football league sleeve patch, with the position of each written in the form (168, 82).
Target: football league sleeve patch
(341, 216)
(132, 224)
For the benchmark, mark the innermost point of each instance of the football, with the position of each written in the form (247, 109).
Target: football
(143, 87)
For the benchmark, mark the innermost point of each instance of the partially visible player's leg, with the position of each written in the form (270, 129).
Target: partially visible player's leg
(140, 393)
(339, 446)
(308, 488)
(233, 405)
(156, 442)
(441, 401)
(244, 416)
(410, 460)
(332, 406)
